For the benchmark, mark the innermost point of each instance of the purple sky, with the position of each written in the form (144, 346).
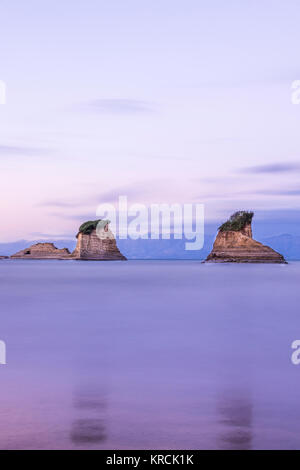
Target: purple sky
(163, 101)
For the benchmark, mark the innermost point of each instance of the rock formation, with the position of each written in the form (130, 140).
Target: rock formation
(43, 251)
(95, 241)
(234, 243)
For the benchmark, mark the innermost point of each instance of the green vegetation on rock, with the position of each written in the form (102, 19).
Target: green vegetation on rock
(90, 225)
(237, 221)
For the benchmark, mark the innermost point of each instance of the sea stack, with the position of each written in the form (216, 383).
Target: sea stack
(43, 251)
(234, 243)
(95, 241)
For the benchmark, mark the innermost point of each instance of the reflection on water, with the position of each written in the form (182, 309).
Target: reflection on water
(235, 413)
(148, 355)
(89, 399)
(86, 431)
(89, 424)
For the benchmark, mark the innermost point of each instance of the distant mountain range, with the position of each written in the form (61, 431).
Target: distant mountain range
(286, 244)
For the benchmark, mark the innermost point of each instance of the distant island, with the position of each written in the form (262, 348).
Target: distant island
(95, 241)
(234, 243)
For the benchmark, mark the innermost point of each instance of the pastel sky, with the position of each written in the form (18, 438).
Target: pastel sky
(162, 101)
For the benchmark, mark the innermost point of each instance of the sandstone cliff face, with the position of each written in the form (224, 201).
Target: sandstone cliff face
(238, 246)
(94, 242)
(43, 251)
(98, 244)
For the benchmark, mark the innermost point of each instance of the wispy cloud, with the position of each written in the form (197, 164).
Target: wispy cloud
(14, 150)
(234, 191)
(58, 203)
(276, 215)
(136, 191)
(118, 106)
(82, 217)
(140, 191)
(279, 192)
(53, 235)
(272, 168)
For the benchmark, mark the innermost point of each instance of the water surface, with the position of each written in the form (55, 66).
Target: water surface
(149, 354)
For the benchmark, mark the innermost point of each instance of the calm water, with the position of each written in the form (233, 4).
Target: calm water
(140, 355)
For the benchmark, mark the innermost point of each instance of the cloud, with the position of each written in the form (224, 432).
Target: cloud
(280, 192)
(53, 235)
(119, 106)
(12, 150)
(58, 203)
(136, 191)
(145, 191)
(230, 194)
(290, 215)
(75, 217)
(272, 168)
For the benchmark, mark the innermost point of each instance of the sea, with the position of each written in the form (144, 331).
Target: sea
(149, 355)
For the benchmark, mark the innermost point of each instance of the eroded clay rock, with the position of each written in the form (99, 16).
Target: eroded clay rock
(234, 243)
(43, 251)
(95, 241)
